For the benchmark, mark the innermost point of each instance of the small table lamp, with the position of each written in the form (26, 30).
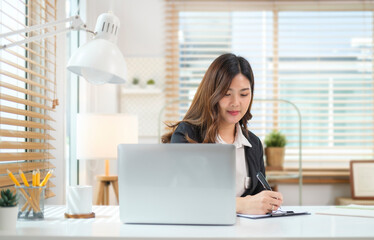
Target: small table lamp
(98, 136)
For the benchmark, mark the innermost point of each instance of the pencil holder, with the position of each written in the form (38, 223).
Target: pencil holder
(30, 203)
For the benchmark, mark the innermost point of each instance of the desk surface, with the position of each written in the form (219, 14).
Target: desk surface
(107, 225)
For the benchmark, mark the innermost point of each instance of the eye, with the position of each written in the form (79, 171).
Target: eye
(244, 95)
(227, 94)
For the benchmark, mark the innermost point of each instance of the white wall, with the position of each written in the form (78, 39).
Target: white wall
(313, 194)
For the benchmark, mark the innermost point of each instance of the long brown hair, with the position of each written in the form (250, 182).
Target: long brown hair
(204, 109)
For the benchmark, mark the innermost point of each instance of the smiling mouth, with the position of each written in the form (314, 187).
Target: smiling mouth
(233, 113)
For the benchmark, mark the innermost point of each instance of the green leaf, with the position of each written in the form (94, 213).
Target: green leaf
(275, 139)
(2, 193)
(2, 202)
(12, 203)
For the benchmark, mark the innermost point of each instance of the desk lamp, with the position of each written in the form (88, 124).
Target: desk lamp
(98, 61)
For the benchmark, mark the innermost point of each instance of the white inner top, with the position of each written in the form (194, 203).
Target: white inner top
(242, 180)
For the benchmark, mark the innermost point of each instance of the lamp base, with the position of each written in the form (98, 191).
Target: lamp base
(88, 215)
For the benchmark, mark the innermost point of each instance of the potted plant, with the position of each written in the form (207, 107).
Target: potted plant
(135, 82)
(8, 210)
(275, 142)
(151, 83)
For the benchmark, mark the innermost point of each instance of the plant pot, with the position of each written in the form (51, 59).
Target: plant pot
(8, 218)
(275, 157)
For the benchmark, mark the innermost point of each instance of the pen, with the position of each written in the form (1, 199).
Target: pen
(263, 181)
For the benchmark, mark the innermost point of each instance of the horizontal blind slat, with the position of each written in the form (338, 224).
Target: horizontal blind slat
(25, 134)
(26, 166)
(25, 91)
(28, 60)
(14, 76)
(25, 113)
(32, 51)
(24, 145)
(25, 102)
(25, 156)
(26, 70)
(22, 123)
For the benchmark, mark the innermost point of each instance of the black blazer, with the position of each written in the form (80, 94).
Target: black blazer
(253, 155)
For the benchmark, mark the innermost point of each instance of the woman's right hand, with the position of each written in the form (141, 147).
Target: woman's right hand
(261, 203)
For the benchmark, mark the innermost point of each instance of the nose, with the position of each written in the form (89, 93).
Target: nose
(235, 101)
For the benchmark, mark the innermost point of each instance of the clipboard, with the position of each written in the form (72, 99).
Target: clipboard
(278, 213)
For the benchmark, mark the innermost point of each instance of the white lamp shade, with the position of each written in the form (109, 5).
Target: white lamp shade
(98, 135)
(99, 61)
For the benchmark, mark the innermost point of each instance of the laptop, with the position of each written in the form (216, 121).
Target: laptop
(177, 183)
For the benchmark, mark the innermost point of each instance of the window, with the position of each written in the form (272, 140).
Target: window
(317, 55)
(27, 92)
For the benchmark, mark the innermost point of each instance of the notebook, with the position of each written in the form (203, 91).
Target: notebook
(177, 183)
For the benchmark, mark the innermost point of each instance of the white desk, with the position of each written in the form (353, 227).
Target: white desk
(107, 225)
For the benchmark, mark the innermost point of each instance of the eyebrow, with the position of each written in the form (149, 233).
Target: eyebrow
(241, 90)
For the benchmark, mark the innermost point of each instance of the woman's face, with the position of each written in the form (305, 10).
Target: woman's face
(235, 103)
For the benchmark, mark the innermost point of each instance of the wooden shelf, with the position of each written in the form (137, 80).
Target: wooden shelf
(309, 176)
(139, 91)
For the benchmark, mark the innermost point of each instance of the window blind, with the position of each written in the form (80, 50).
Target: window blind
(27, 92)
(317, 55)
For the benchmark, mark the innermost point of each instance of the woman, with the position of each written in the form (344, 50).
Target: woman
(219, 113)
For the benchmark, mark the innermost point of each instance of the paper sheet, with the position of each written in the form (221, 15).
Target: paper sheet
(349, 210)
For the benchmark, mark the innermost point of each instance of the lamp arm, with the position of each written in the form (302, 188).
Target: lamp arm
(76, 23)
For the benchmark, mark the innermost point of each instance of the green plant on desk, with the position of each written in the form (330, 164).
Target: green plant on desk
(275, 139)
(8, 209)
(8, 199)
(275, 142)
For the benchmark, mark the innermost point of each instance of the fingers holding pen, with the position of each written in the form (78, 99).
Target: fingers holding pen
(277, 195)
(261, 203)
(273, 200)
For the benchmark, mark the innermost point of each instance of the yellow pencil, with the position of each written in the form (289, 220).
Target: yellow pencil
(24, 178)
(10, 174)
(33, 178)
(37, 178)
(27, 185)
(44, 182)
